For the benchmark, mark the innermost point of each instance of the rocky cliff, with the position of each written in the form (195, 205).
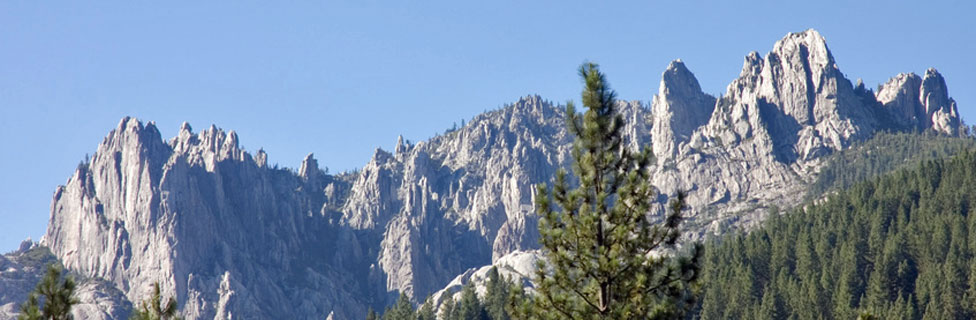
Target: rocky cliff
(762, 143)
(222, 232)
(230, 236)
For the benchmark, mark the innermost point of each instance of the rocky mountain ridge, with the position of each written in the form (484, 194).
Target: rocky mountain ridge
(231, 237)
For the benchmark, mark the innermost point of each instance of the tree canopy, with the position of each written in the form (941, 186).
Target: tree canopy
(897, 247)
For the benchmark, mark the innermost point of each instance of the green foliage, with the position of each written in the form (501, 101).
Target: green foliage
(30, 310)
(897, 247)
(371, 314)
(154, 309)
(426, 311)
(470, 308)
(494, 306)
(885, 152)
(37, 257)
(57, 294)
(401, 310)
(496, 295)
(450, 310)
(598, 248)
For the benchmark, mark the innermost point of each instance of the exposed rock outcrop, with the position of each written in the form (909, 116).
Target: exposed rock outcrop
(230, 236)
(679, 108)
(202, 218)
(920, 103)
(21, 270)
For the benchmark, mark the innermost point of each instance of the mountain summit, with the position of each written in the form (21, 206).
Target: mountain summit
(230, 236)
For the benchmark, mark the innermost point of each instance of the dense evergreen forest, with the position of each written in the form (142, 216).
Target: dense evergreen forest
(883, 153)
(897, 247)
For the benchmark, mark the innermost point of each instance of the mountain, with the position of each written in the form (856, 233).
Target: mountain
(766, 137)
(230, 236)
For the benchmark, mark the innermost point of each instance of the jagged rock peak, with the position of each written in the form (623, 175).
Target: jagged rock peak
(678, 80)
(934, 95)
(532, 104)
(310, 167)
(213, 140)
(797, 70)
(920, 102)
(261, 158)
(142, 212)
(809, 44)
(678, 109)
(381, 157)
(900, 97)
(130, 137)
(752, 65)
(940, 108)
(132, 125)
(25, 245)
(400, 147)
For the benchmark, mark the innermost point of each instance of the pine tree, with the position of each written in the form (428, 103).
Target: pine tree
(154, 309)
(470, 308)
(30, 310)
(450, 310)
(371, 314)
(426, 311)
(401, 310)
(58, 297)
(602, 254)
(496, 295)
(770, 307)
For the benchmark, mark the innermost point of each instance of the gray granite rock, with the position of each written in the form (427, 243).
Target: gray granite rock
(230, 236)
(679, 108)
(198, 215)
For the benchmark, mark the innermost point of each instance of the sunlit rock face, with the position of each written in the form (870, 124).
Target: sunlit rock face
(920, 102)
(679, 108)
(221, 232)
(231, 236)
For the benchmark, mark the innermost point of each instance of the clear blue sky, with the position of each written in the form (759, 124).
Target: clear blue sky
(342, 78)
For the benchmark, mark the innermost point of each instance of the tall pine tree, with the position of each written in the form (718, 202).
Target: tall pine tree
(604, 259)
(58, 297)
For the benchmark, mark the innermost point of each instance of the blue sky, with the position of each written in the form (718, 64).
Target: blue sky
(341, 78)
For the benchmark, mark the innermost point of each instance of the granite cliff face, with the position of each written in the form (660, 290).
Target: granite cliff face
(459, 200)
(679, 108)
(920, 103)
(208, 222)
(766, 136)
(230, 236)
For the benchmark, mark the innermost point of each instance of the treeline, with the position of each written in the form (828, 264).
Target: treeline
(898, 247)
(494, 305)
(883, 153)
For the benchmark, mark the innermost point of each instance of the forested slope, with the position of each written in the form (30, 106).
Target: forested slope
(883, 153)
(897, 247)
